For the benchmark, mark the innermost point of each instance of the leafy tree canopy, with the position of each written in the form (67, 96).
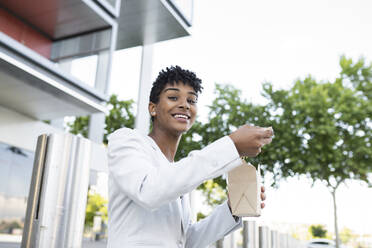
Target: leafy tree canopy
(318, 231)
(96, 205)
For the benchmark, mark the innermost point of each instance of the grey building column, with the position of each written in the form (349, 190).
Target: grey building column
(65, 65)
(58, 123)
(102, 82)
(104, 63)
(96, 127)
(143, 117)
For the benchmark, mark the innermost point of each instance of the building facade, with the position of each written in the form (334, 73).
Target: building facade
(40, 40)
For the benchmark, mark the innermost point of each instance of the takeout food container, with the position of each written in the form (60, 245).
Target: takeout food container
(244, 190)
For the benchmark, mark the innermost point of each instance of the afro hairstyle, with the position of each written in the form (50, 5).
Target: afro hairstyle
(173, 75)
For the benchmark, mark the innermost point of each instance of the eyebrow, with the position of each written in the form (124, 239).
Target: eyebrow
(176, 89)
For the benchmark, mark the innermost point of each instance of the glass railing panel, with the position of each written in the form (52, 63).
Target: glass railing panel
(15, 177)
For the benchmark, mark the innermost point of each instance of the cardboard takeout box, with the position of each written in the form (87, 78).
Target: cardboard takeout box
(244, 189)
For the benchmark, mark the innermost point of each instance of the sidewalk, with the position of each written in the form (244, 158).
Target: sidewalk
(86, 244)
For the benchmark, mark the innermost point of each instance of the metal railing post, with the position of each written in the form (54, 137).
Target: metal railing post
(58, 192)
(264, 237)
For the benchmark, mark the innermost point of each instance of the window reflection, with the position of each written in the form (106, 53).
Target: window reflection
(15, 177)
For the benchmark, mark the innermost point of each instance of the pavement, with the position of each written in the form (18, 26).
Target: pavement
(86, 244)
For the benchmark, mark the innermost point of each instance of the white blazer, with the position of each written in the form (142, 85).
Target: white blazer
(148, 201)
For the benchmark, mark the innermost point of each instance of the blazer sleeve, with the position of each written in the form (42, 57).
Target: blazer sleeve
(133, 169)
(212, 228)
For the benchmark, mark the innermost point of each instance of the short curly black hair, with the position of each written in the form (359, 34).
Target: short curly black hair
(172, 75)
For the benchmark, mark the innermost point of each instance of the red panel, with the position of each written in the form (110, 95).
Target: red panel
(23, 33)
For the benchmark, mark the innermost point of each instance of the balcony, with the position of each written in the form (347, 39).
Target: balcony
(40, 39)
(58, 19)
(41, 90)
(35, 38)
(149, 21)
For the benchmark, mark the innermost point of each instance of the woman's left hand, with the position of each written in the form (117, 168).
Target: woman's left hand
(263, 196)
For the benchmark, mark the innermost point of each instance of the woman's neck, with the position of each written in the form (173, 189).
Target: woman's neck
(167, 142)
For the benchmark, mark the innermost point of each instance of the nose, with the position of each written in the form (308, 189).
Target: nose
(184, 104)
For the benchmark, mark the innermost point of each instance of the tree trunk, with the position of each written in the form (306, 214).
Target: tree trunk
(219, 243)
(335, 217)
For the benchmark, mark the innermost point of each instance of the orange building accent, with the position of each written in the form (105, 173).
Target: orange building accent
(24, 34)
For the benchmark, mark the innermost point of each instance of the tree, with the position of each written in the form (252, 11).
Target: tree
(328, 129)
(96, 205)
(120, 115)
(318, 231)
(322, 129)
(347, 235)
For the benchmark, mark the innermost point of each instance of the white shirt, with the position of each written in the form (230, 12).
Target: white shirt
(146, 207)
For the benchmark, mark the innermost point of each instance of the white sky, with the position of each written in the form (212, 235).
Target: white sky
(245, 43)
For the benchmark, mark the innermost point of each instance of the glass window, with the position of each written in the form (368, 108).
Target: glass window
(85, 68)
(15, 178)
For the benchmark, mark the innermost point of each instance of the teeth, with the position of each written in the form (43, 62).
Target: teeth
(181, 116)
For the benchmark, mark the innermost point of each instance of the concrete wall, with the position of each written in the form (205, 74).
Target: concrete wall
(21, 131)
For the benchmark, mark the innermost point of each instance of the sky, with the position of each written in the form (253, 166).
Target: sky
(245, 43)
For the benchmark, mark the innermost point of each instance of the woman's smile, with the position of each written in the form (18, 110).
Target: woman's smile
(182, 117)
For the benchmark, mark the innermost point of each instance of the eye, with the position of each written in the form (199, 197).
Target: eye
(192, 101)
(173, 98)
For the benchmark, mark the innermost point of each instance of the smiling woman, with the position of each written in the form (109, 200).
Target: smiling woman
(176, 109)
(148, 191)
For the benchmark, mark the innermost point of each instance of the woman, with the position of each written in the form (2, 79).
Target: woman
(148, 201)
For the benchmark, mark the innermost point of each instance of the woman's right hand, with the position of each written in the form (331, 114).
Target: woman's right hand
(248, 139)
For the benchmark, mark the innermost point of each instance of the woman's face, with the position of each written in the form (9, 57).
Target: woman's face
(176, 109)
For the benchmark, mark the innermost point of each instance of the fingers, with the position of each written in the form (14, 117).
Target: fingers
(263, 196)
(266, 141)
(268, 132)
(249, 140)
(267, 135)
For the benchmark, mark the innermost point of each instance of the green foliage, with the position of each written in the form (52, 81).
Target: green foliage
(96, 205)
(200, 216)
(190, 141)
(318, 231)
(120, 115)
(323, 129)
(214, 192)
(347, 236)
(80, 126)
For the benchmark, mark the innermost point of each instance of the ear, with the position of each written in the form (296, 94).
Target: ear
(152, 109)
